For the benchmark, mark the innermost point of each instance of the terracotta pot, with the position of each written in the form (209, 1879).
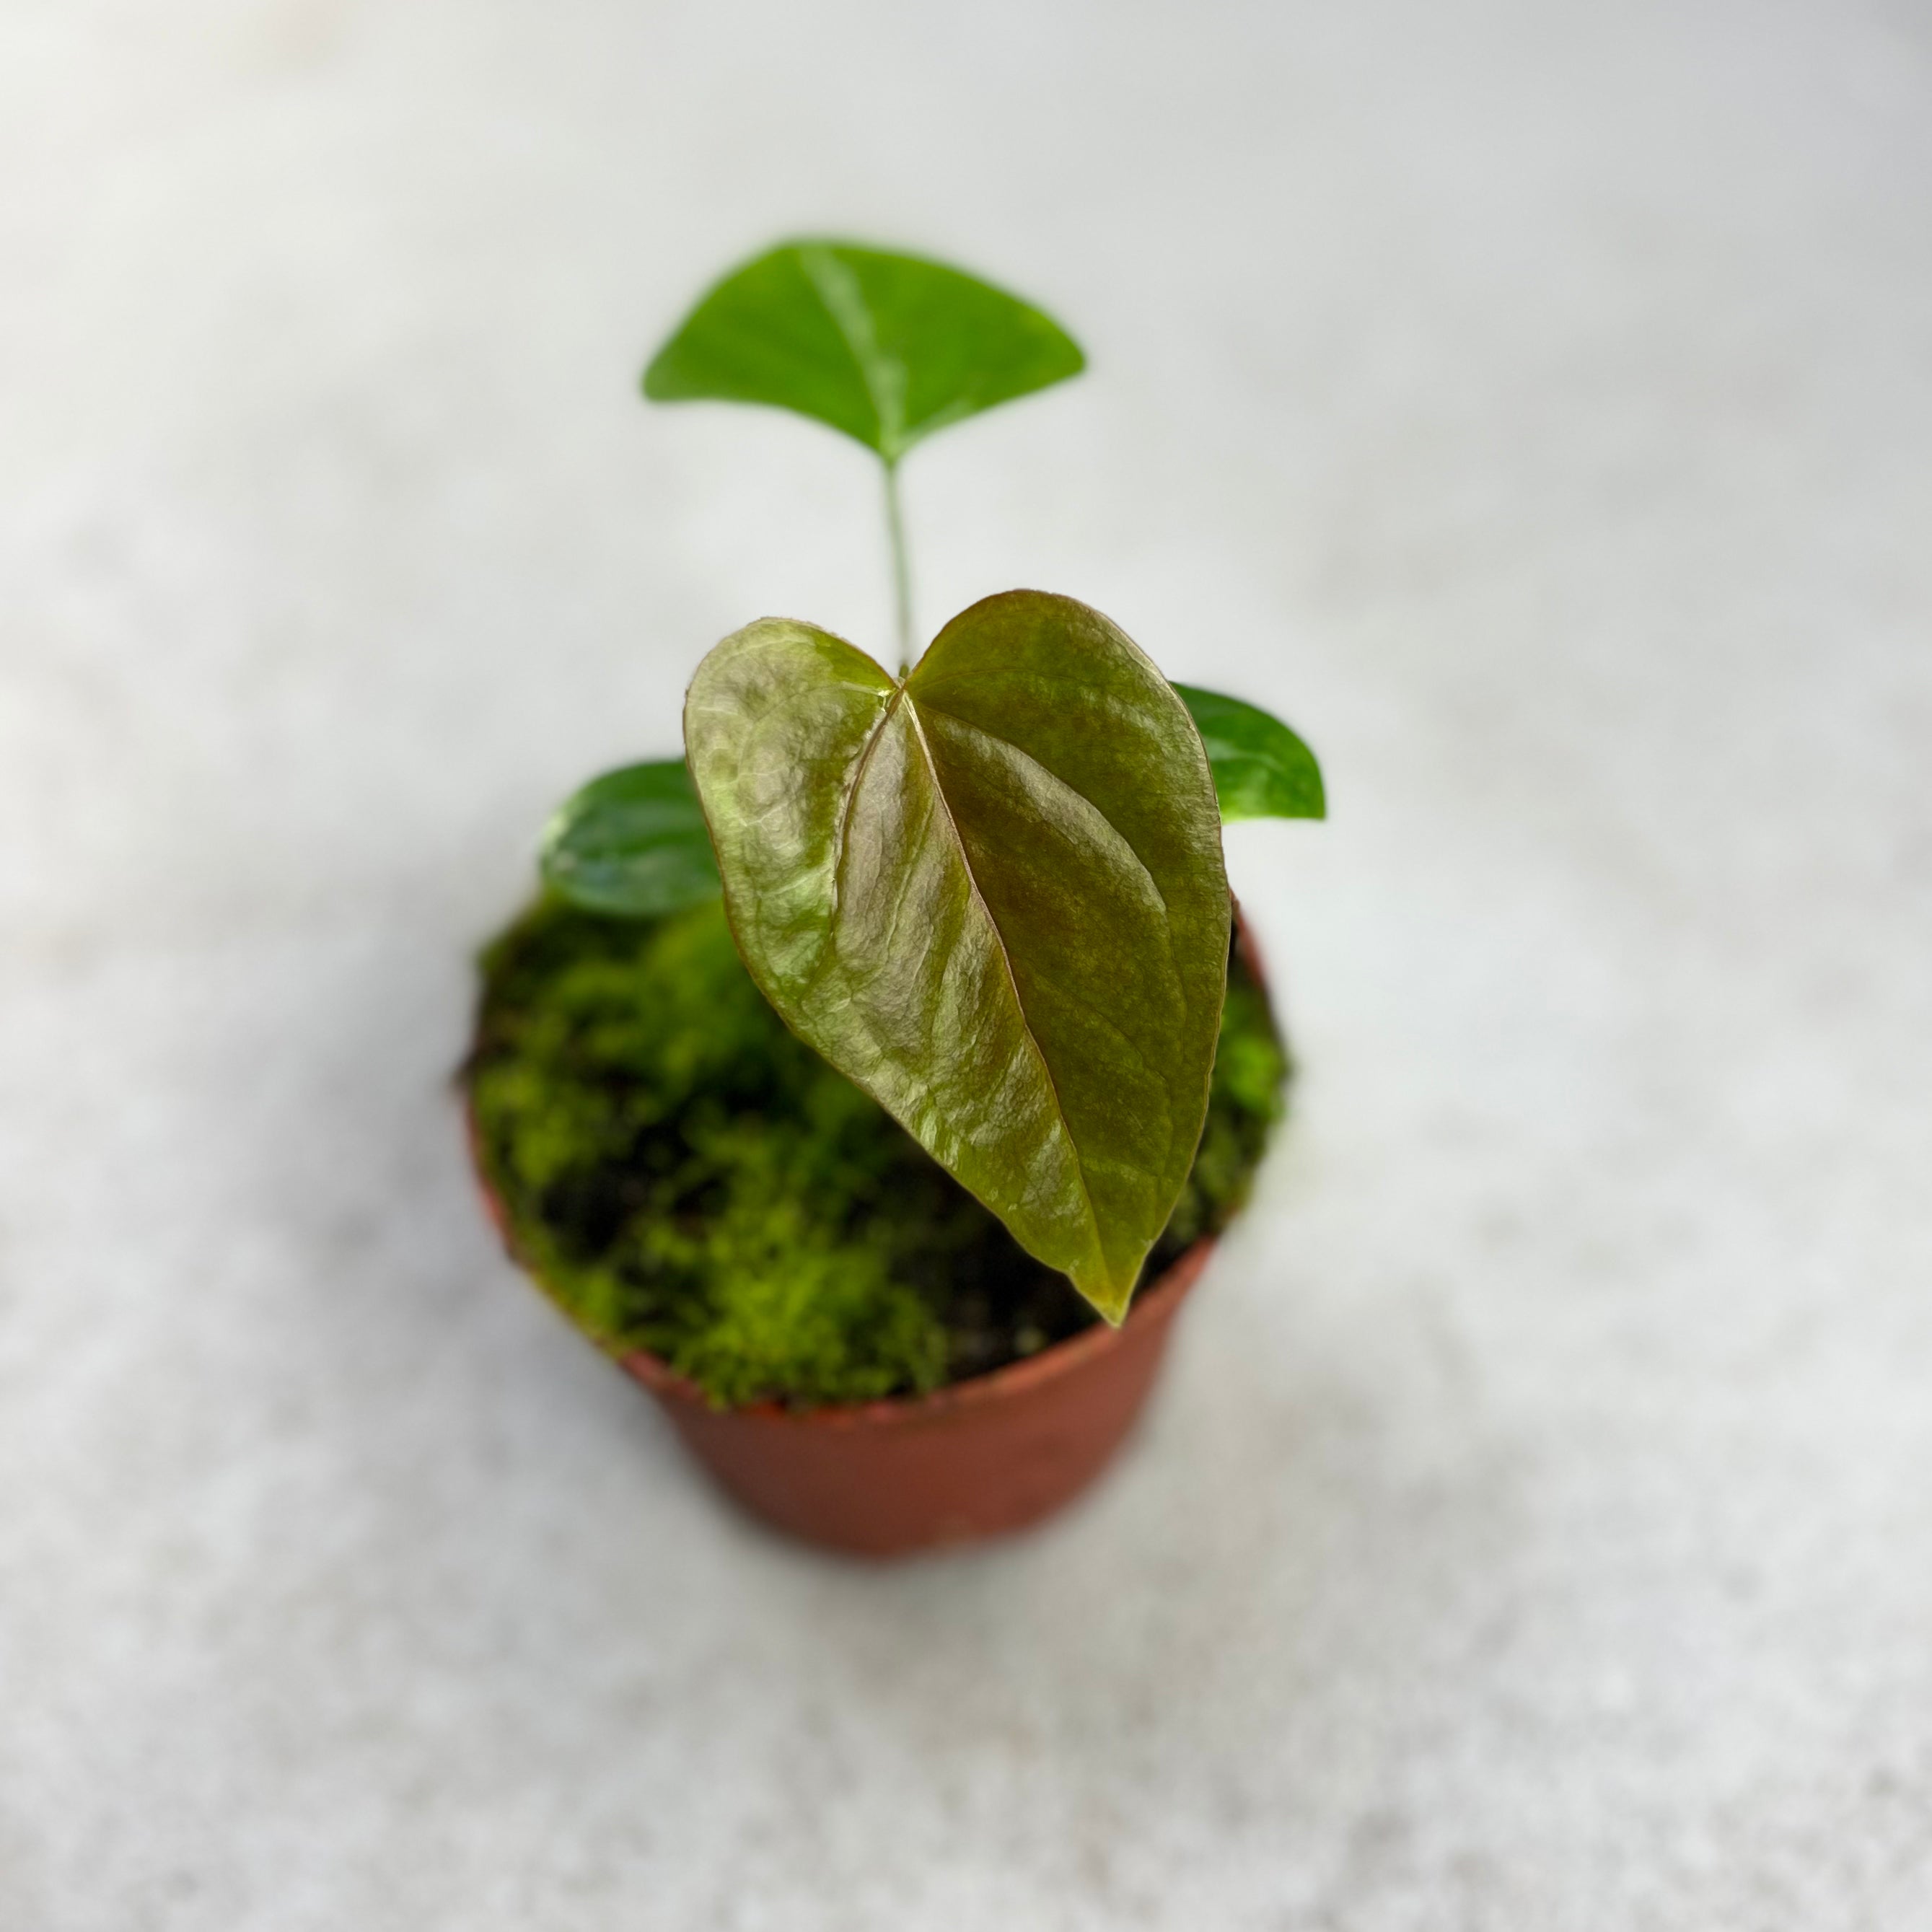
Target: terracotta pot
(989, 1455)
(976, 1459)
(985, 1456)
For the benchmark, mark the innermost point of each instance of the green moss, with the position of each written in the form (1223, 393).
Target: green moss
(686, 1176)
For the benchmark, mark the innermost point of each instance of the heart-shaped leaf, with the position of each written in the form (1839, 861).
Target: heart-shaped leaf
(991, 896)
(632, 841)
(1261, 769)
(886, 347)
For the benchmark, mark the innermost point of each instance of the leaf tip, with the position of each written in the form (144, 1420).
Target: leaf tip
(1110, 1297)
(655, 384)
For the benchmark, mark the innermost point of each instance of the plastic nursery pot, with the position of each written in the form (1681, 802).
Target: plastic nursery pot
(979, 1458)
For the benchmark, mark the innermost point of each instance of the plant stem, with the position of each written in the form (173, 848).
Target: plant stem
(902, 569)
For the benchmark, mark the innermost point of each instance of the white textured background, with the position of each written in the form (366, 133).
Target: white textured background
(1532, 402)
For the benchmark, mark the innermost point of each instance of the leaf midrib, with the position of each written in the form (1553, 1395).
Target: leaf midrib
(840, 295)
(843, 846)
(1006, 963)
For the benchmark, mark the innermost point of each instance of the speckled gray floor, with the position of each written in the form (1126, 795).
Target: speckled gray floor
(1533, 402)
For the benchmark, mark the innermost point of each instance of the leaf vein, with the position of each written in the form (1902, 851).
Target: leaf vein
(1020, 751)
(841, 844)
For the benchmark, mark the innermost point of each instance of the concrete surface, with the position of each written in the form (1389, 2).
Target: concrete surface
(1534, 403)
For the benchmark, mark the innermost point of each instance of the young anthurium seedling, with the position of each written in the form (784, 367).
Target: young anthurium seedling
(989, 889)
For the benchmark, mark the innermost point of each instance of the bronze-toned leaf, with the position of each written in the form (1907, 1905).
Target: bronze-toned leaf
(992, 896)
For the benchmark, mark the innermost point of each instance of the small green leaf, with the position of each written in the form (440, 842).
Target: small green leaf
(1261, 769)
(887, 348)
(632, 841)
(992, 896)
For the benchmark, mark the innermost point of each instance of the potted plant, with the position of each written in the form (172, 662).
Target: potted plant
(854, 1071)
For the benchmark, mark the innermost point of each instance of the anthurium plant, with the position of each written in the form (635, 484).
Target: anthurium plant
(986, 886)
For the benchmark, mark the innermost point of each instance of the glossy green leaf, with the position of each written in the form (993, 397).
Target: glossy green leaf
(886, 347)
(992, 896)
(1261, 769)
(632, 841)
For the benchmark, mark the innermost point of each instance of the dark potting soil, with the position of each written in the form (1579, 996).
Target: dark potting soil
(684, 1175)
